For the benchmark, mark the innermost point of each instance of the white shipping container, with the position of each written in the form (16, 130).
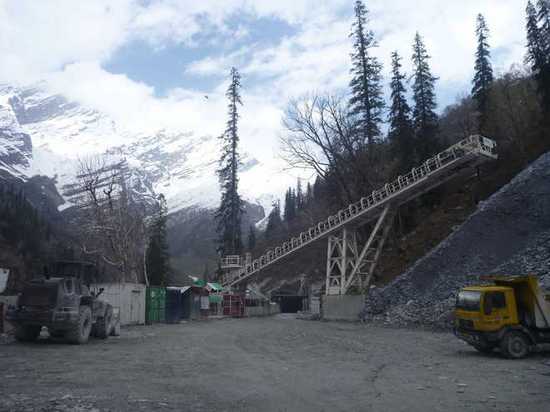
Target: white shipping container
(128, 297)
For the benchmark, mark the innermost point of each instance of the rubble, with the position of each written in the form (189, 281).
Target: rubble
(508, 234)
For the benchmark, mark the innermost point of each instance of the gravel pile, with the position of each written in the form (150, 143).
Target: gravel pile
(508, 234)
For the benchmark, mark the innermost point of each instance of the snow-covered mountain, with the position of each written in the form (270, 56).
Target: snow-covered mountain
(46, 134)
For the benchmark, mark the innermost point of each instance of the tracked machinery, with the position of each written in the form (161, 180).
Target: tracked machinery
(62, 300)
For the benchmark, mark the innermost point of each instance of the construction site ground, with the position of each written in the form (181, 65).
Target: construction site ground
(269, 364)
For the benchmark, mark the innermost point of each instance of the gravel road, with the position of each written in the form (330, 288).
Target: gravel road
(269, 364)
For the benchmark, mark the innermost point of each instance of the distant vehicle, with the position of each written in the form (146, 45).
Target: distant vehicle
(512, 314)
(64, 304)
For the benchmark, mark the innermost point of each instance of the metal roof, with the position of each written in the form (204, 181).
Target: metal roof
(182, 289)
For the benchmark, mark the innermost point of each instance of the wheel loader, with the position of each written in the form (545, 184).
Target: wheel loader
(512, 313)
(62, 301)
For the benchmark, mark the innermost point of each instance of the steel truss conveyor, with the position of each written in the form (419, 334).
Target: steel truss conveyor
(348, 264)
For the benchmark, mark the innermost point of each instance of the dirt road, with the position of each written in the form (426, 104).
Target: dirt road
(274, 364)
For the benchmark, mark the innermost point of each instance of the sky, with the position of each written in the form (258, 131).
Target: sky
(154, 64)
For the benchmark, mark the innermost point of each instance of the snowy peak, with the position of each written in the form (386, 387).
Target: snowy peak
(46, 134)
(15, 144)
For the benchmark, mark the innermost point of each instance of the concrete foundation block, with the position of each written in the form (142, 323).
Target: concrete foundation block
(342, 307)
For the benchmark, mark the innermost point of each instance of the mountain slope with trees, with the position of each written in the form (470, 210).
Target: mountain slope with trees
(509, 108)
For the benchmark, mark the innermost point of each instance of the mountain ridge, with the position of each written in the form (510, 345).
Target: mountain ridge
(47, 134)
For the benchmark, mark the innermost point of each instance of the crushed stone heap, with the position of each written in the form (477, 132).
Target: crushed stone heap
(508, 234)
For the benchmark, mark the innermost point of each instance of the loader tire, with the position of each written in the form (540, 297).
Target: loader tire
(56, 334)
(27, 333)
(515, 345)
(79, 333)
(103, 324)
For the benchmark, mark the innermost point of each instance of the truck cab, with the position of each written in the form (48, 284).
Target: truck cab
(512, 314)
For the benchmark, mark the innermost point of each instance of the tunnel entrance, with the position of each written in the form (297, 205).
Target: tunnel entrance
(290, 303)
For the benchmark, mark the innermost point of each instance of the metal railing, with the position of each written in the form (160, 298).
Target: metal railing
(231, 261)
(476, 148)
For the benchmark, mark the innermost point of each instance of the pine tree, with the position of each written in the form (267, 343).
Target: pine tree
(366, 102)
(289, 212)
(206, 273)
(424, 117)
(535, 50)
(230, 211)
(274, 222)
(483, 77)
(538, 47)
(251, 238)
(401, 133)
(543, 16)
(309, 194)
(299, 195)
(157, 255)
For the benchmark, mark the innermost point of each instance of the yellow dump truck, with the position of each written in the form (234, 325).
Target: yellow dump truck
(512, 314)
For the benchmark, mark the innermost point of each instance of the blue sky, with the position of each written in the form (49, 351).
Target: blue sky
(149, 64)
(164, 67)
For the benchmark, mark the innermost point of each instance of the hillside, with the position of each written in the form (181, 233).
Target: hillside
(509, 233)
(43, 137)
(192, 239)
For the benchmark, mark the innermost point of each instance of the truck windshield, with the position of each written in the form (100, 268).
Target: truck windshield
(468, 300)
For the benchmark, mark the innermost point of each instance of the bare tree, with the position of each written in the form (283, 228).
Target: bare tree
(112, 222)
(459, 120)
(321, 138)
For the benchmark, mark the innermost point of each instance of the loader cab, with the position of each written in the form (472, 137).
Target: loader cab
(486, 308)
(86, 272)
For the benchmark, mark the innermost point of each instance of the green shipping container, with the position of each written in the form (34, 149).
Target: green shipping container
(155, 303)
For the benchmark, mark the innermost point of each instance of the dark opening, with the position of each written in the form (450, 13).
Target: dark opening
(186, 302)
(290, 304)
(173, 306)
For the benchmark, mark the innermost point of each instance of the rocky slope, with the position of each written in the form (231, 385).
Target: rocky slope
(508, 234)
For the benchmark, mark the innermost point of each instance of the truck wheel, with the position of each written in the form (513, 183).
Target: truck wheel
(27, 333)
(514, 345)
(484, 347)
(80, 331)
(103, 324)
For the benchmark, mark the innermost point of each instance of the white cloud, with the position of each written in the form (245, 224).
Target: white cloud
(68, 42)
(38, 37)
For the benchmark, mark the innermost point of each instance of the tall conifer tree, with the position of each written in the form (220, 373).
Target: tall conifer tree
(538, 46)
(157, 255)
(401, 133)
(366, 102)
(251, 238)
(230, 211)
(274, 221)
(425, 119)
(543, 16)
(483, 77)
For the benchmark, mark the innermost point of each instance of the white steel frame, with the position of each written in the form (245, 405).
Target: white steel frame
(348, 266)
(452, 162)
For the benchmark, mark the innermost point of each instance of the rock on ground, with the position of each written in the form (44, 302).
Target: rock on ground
(508, 234)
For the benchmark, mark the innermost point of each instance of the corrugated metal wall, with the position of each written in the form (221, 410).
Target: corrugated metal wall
(128, 297)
